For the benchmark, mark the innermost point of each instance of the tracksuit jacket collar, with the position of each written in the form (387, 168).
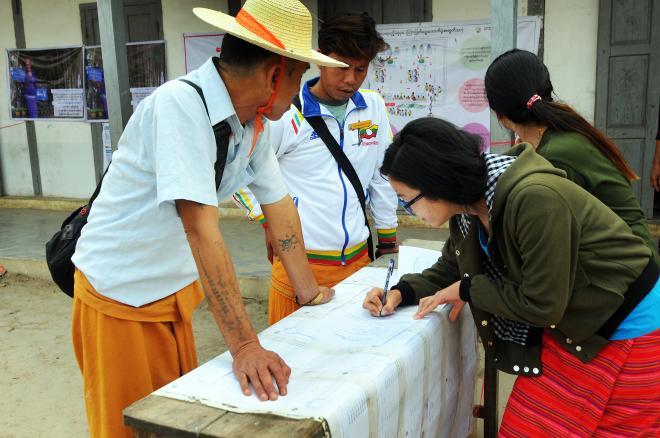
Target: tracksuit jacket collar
(311, 107)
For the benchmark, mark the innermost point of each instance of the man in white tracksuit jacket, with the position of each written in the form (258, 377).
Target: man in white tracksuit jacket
(334, 231)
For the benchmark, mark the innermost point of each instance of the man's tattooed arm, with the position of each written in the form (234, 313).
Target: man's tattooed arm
(216, 273)
(287, 239)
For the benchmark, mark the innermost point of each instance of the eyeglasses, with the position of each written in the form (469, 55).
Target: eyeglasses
(406, 205)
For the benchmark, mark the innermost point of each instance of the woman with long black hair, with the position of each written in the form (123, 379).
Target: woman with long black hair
(562, 292)
(520, 93)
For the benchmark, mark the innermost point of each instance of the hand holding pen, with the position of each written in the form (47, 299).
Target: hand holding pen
(390, 269)
(382, 302)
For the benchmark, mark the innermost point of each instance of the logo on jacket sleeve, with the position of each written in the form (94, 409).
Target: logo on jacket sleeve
(296, 121)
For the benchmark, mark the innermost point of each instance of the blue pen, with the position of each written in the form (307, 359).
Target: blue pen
(390, 268)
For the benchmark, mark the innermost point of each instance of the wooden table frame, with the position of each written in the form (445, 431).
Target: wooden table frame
(156, 416)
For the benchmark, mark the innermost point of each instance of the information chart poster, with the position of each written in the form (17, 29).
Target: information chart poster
(197, 48)
(46, 83)
(438, 69)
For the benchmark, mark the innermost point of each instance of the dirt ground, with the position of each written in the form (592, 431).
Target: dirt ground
(40, 382)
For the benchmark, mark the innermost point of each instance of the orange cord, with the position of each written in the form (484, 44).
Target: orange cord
(250, 23)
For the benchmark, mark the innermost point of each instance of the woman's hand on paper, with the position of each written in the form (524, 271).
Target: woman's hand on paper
(373, 301)
(448, 295)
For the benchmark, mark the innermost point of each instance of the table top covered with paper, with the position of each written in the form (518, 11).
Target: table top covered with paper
(354, 375)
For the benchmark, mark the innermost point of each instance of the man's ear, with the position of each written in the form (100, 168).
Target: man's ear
(272, 72)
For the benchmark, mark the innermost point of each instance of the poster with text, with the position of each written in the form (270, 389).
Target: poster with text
(107, 145)
(438, 69)
(146, 72)
(46, 83)
(197, 48)
(146, 69)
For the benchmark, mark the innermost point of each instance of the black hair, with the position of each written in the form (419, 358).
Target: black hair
(238, 54)
(351, 35)
(517, 75)
(440, 160)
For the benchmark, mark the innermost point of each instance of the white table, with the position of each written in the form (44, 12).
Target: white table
(359, 376)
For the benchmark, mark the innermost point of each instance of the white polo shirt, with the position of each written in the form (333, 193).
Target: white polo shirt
(133, 248)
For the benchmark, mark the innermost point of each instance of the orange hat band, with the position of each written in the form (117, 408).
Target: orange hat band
(246, 20)
(250, 23)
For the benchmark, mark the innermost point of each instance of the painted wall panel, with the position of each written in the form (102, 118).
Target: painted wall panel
(14, 159)
(571, 31)
(178, 19)
(67, 169)
(66, 159)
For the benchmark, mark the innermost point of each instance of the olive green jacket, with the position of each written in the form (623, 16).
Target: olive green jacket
(566, 261)
(586, 166)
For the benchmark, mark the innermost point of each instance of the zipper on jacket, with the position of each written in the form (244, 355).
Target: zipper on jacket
(343, 183)
(341, 177)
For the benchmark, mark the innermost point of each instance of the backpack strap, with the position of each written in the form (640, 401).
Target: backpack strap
(221, 132)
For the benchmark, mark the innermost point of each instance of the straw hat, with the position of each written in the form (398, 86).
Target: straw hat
(280, 26)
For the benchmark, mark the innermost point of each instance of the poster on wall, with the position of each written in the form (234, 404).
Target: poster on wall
(438, 69)
(46, 83)
(95, 101)
(107, 145)
(197, 48)
(146, 71)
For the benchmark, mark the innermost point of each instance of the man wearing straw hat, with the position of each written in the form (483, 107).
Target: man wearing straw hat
(152, 242)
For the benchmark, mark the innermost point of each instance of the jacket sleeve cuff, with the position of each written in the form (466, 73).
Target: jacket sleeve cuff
(407, 293)
(386, 238)
(464, 289)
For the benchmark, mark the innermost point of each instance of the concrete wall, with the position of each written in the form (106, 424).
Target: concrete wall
(14, 160)
(179, 19)
(65, 150)
(461, 10)
(571, 31)
(64, 147)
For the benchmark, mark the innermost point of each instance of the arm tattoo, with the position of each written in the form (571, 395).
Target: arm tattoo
(288, 243)
(234, 322)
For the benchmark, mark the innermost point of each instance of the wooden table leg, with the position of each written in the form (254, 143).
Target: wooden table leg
(488, 411)
(490, 397)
